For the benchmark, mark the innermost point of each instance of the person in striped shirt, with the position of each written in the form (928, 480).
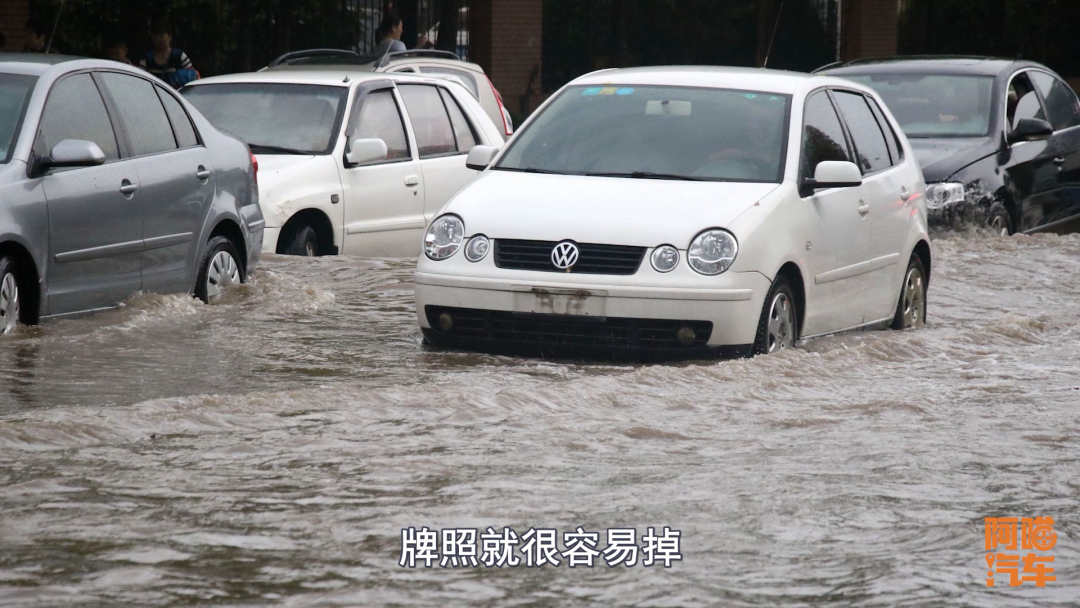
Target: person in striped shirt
(167, 63)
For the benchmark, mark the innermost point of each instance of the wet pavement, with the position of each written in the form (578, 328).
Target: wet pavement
(271, 447)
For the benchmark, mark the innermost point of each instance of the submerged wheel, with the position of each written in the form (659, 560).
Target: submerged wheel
(911, 309)
(220, 269)
(305, 242)
(10, 305)
(999, 221)
(779, 325)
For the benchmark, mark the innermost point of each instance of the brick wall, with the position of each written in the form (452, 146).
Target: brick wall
(506, 41)
(869, 28)
(13, 16)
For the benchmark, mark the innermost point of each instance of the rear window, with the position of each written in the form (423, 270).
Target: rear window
(15, 90)
(934, 105)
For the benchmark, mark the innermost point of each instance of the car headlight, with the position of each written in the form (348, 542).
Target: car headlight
(444, 237)
(712, 252)
(945, 193)
(477, 248)
(664, 258)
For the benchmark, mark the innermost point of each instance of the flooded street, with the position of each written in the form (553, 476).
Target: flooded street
(271, 447)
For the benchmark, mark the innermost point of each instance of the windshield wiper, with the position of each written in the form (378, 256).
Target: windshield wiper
(267, 149)
(649, 175)
(529, 170)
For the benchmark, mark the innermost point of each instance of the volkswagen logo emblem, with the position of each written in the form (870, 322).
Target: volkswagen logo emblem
(564, 256)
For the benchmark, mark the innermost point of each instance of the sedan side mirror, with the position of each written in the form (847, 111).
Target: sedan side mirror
(480, 157)
(362, 151)
(1030, 129)
(835, 174)
(73, 153)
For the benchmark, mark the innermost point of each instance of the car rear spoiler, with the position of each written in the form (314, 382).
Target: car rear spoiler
(429, 53)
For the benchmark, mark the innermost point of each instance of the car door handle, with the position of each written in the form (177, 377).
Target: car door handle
(412, 180)
(1059, 160)
(864, 209)
(127, 188)
(203, 173)
(905, 194)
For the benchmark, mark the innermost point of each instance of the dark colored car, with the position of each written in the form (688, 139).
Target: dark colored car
(111, 184)
(996, 138)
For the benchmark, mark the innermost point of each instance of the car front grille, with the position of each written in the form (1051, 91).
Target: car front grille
(565, 330)
(593, 259)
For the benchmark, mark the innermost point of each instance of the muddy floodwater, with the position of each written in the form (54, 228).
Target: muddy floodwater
(271, 447)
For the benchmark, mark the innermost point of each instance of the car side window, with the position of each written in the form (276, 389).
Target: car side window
(463, 131)
(75, 110)
(431, 123)
(141, 113)
(379, 118)
(1061, 102)
(823, 137)
(181, 123)
(896, 152)
(870, 144)
(466, 78)
(1022, 101)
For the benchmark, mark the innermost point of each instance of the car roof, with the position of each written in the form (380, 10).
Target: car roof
(754, 79)
(329, 76)
(32, 63)
(938, 64)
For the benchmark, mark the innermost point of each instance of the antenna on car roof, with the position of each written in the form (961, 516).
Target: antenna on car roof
(772, 38)
(56, 22)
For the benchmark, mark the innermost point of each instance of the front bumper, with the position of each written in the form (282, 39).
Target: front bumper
(527, 312)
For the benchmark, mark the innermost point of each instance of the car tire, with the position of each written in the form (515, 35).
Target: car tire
(11, 312)
(998, 220)
(220, 268)
(778, 328)
(304, 242)
(911, 307)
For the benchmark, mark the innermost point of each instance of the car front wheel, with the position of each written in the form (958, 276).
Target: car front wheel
(305, 242)
(998, 220)
(9, 295)
(778, 328)
(911, 309)
(220, 269)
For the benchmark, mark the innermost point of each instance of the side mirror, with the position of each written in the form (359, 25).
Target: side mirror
(363, 151)
(480, 157)
(1030, 129)
(835, 174)
(73, 153)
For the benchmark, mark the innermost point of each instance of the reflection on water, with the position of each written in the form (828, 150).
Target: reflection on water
(272, 446)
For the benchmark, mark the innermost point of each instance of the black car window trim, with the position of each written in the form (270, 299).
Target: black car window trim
(1042, 98)
(886, 129)
(198, 136)
(114, 114)
(1005, 101)
(847, 130)
(802, 134)
(450, 122)
(359, 97)
(444, 91)
(121, 142)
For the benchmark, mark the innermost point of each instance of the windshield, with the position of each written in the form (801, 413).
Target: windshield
(274, 118)
(15, 92)
(935, 105)
(657, 132)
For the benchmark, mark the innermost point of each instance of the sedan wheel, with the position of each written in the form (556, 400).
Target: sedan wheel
(911, 309)
(1000, 225)
(9, 302)
(223, 272)
(781, 324)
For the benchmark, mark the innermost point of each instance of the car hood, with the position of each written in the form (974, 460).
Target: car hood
(940, 158)
(616, 211)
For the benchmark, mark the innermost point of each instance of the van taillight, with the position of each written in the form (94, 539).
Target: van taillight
(502, 109)
(254, 165)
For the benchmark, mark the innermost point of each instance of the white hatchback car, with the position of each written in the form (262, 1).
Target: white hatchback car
(682, 211)
(349, 162)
